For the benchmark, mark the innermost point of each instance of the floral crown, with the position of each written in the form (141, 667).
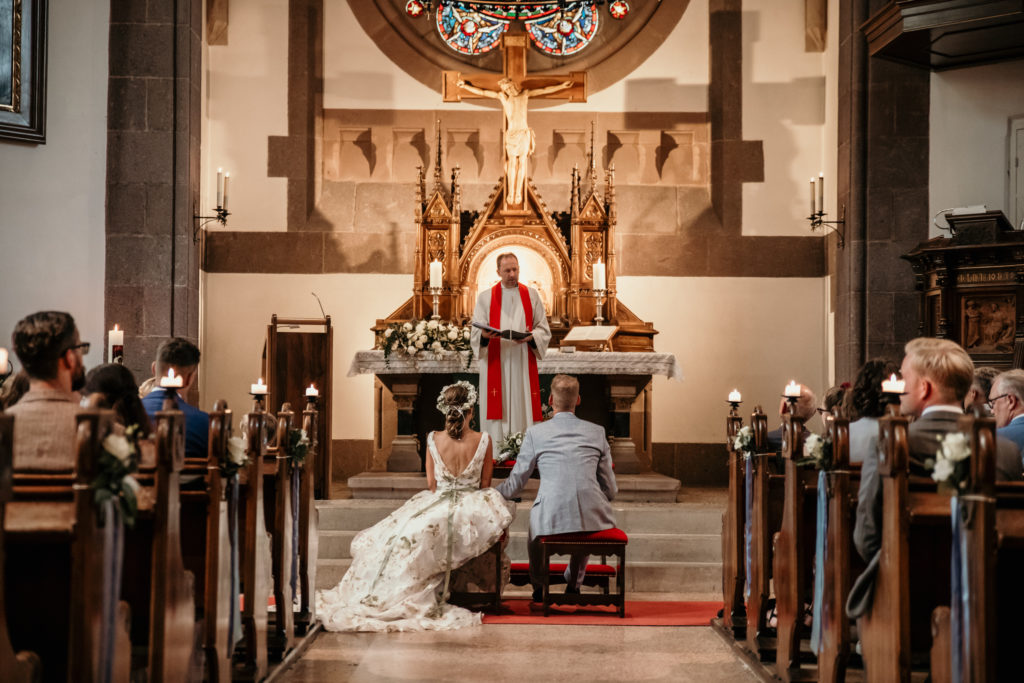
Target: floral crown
(443, 407)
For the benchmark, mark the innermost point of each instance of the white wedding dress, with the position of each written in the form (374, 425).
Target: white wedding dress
(402, 566)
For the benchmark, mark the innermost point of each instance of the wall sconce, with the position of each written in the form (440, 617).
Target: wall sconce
(221, 212)
(817, 217)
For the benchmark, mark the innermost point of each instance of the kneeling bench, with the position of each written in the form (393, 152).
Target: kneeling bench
(607, 542)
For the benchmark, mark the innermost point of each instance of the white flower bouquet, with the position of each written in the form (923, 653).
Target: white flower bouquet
(234, 457)
(415, 339)
(508, 448)
(949, 468)
(817, 452)
(117, 461)
(743, 442)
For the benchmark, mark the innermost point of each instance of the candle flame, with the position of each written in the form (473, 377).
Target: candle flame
(892, 377)
(312, 387)
(116, 328)
(170, 373)
(259, 381)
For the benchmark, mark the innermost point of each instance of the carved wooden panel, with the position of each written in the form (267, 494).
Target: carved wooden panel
(988, 323)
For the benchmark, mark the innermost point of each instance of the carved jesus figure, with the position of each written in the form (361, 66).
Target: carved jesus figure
(519, 138)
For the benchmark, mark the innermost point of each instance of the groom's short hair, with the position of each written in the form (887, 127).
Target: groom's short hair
(565, 391)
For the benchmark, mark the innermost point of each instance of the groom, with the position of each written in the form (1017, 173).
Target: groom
(576, 480)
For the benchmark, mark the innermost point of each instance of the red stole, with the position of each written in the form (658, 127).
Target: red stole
(494, 400)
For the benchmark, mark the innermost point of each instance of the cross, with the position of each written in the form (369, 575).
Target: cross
(494, 392)
(513, 67)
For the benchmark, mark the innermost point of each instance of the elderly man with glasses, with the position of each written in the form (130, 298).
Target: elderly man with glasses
(1006, 401)
(50, 351)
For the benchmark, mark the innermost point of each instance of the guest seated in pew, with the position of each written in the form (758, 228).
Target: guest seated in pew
(864, 404)
(938, 373)
(833, 400)
(1006, 399)
(50, 351)
(577, 482)
(14, 388)
(112, 386)
(182, 356)
(806, 407)
(977, 396)
(402, 566)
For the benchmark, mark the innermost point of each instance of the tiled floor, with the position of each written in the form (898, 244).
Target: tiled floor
(523, 653)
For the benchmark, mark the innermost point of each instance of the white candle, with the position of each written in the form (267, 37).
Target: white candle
(821, 192)
(812, 196)
(171, 381)
(3, 361)
(893, 385)
(599, 275)
(312, 391)
(227, 177)
(792, 390)
(734, 396)
(258, 389)
(435, 274)
(220, 187)
(115, 345)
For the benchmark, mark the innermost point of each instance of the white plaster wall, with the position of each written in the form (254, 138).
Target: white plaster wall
(784, 107)
(52, 232)
(969, 118)
(246, 86)
(358, 75)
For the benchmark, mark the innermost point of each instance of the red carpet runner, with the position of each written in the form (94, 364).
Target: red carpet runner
(638, 613)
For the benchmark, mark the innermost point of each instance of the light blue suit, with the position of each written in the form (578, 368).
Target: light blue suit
(1014, 432)
(576, 483)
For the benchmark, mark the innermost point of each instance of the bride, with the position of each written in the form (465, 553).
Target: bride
(402, 566)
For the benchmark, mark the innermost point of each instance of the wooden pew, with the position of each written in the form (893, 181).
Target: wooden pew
(255, 542)
(793, 551)
(24, 666)
(278, 511)
(766, 513)
(734, 616)
(61, 567)
(309, 523)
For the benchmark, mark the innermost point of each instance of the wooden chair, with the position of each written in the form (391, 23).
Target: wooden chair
(734, 615)
(608, 542)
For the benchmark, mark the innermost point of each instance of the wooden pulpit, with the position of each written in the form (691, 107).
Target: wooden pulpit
(299, 354)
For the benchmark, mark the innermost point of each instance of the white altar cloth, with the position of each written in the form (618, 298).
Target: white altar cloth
(579, 363)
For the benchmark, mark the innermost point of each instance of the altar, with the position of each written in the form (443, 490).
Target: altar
(615, 392)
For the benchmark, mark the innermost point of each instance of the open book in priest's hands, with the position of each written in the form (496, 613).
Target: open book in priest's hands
(505, 334)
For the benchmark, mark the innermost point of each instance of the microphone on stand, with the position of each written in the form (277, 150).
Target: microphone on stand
(320, 304)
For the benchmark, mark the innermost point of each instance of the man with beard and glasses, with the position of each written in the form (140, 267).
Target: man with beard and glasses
(50, 351)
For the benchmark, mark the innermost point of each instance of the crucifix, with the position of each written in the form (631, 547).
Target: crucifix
(513, 88)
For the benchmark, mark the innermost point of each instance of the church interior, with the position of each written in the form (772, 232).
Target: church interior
(742, 192)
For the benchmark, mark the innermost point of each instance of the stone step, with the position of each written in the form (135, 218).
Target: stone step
(655, 518)
(700, 548)
(641, 577)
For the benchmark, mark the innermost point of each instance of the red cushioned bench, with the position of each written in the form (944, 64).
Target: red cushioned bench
(607, 542)
(598, 575)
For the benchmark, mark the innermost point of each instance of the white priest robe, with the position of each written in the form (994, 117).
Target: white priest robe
(517, 403)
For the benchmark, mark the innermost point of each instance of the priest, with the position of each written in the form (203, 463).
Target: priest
(509, 383)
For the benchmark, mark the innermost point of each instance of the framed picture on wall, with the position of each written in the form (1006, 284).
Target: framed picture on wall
(23, 70)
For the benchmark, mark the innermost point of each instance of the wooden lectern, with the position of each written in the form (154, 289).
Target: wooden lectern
(299, 353)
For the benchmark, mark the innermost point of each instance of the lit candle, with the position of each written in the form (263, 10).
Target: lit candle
(258, 389)
(599, 275)
(3, 361)
(171, 381)
(220, 187)
(821, 192)
(812, 196)
(227, 177)
(312, 391)
(115, 345)
(893, 385)
(734, 396)
(792, 389)
(435, 273)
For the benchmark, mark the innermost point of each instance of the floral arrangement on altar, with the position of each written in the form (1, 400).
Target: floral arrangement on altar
(949, 467)
(118, 460)
(234, 457)
(817, 452)
(743, 442)
(508, 448)
(416, 339)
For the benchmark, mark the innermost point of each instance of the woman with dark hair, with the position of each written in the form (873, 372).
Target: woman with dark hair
(403, 567)
(113, 386)
(865, 403)
(18, 385)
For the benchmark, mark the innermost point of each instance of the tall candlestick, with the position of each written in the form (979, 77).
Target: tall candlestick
(115, 345)
(599, 275)
(435, 273)
(812, 196)
(821, 192)
(227, 177)
(220, 187)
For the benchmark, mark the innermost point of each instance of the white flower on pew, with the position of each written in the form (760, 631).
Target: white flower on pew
(119, 447)
(743, 442)
(817, 452)
(113, 483)
(949, 468)
(236, 451)
(298, 445)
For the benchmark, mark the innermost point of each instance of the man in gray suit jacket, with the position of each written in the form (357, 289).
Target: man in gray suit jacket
(576, 479)
(937, 373)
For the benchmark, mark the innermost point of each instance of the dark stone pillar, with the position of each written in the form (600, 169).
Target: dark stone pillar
(153, 144)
